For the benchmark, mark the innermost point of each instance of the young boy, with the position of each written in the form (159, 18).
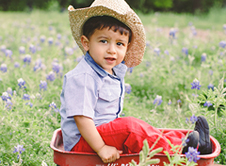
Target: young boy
(112, 38)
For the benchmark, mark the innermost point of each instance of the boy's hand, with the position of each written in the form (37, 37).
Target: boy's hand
(109, 154)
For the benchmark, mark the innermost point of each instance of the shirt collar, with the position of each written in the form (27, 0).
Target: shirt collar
(120, 70)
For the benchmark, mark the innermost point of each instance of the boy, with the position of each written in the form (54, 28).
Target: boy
(112, 38)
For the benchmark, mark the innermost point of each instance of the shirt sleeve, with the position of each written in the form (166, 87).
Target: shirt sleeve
(80, 95)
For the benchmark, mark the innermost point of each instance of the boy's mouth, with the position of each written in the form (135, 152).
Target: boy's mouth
(110, 60)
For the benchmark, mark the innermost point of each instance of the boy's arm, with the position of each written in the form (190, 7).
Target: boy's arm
(89, 132)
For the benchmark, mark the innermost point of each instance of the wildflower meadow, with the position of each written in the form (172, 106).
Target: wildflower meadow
(181, 77)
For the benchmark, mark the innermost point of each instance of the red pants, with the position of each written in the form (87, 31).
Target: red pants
(128, 134)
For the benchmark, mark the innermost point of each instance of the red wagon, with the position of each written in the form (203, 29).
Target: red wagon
(65, 158)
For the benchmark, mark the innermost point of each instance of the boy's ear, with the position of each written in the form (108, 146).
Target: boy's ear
(85, 42)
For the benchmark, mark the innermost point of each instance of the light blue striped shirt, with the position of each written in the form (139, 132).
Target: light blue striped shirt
(90, 91)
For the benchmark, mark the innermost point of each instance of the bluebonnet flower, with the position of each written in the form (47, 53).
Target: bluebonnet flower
(5, 96)
(42, 38)
(16, 65)
(50, 40)
(128, 88)
(222, 44)
(193, 119)
(32, 48)
(224, 26)
(59, 36)
(51, 76)
(157, 51)
(21, 83)
(190, 23)
(185, 50)
(69, 50)
(54, 107)
(38, 96)
(166, 52)
(184, 141)
(43, 85)
(18, 149)
(158, 100)
(170, 102)
(207, 104)
(8, 53)
(211, 86)
(130, 69)
(195, 84)
(172, 32)
(10, 91)
(22, 50)
(192, 154)
(27, 59)
(203, 57)
(179, 101)
(38, 64)
(50, 28)
(29, 104)
(26, 97)
(193, 31)
(9, 104)
(3, 48)
(56, 67)
(3, 68)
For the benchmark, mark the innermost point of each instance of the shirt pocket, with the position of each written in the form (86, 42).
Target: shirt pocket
(109, 95)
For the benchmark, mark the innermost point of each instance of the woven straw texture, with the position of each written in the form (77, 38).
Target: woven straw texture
(120, 10)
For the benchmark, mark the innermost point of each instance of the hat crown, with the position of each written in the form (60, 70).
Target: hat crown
(119, 6)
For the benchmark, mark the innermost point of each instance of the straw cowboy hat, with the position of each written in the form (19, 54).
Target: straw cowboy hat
(120, 10)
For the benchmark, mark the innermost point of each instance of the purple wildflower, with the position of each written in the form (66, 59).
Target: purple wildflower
(26, 97)
(128, 88)
(59, 36)
(42, 38)
(43, 85)
(9, 104)
(157, 51)
(3, 48)
(21, 83)
(207, 104)
(211, 86)
(170, 102)
(158, 100)
(179, 101)
(54, 107)
(56, 67)
(50, 40)
(69, 50)
(172, 32)
(222, 44)
(18, 149)
(10, 91)
(5, 96)
(27, 59)
(8, 53)
(224, 27)
(192, 154)
(32, 48)
(51, 76)
(166, 52)
(203, 57)
(16, 65)
(195, 84)
(29, 104)
(22, 50)
(185, 50)
(193, 119)
(130, 69)
(3, 68)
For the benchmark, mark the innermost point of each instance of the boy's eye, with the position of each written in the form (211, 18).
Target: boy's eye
(103, 41)
(120, 44)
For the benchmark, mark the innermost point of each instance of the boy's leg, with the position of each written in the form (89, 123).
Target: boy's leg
(128, 134)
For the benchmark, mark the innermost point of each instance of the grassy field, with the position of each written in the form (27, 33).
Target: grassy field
(37, 49)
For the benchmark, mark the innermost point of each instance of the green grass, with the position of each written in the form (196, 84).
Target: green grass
(169, 76)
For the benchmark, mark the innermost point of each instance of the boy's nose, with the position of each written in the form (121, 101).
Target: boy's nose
(111, 49)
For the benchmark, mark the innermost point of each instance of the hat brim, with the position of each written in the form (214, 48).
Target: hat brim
(135, 52)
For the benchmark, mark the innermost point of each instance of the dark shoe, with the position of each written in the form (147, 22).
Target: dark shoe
(205, 145)
(193, 140)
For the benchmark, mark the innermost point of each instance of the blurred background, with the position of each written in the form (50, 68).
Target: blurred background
(145, 6)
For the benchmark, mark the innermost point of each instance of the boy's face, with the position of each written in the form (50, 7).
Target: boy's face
(106, 47)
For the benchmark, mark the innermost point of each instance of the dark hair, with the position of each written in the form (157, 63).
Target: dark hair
(101, 22)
